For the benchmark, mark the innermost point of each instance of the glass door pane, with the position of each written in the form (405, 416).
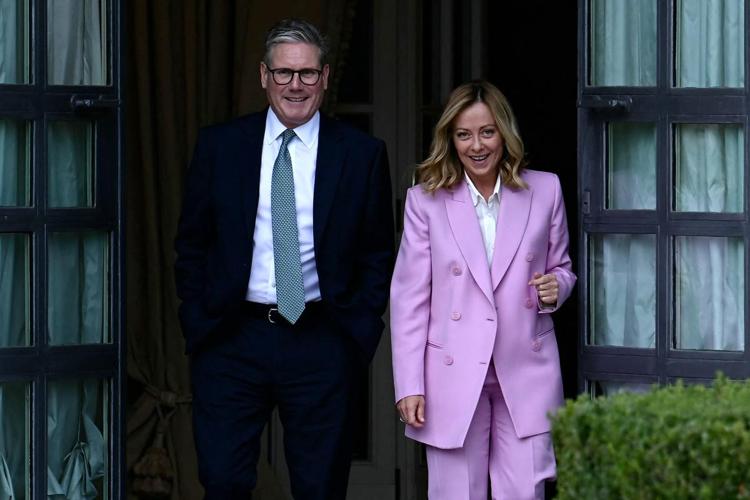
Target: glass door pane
(709, 161)
(77, 42)
(14, 42)
(622, 288)
(15, 440)
(77, 438)
(609, 388)
(631, 166)
(70, 169)
(709, 293)
(710, 43)
(78, 293)
(623, 43)
(15, 157)
(15, 279)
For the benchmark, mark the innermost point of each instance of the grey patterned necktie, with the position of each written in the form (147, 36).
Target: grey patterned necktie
(290, 290)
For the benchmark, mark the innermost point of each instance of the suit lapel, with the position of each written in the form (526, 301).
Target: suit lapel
(462, 218)
(330, 161)
(515, 205)
(252, 151)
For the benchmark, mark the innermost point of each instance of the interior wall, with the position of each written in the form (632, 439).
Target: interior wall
(532, 58)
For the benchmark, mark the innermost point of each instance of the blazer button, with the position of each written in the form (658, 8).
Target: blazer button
(455, 315)
(529, 303)
(448, 360)
(536, 345)
(457, 271)
(529, 257)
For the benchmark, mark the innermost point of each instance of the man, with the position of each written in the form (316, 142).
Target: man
(284, 256)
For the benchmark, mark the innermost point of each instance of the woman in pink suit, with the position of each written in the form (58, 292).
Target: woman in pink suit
(483, 261)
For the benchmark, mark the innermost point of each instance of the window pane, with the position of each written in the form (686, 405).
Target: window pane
(622, 288)
(710, 41)
(709, 160)
(631, 169)
(15, 276)
(709, 293)
(14, 42)
(78, 281)
(77, 42)
(609, 388)
(623, 43)
(77, 439)
(70, 154)
(15, 412)
(15, 178)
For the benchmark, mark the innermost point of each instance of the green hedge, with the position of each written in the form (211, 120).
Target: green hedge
(674, 442)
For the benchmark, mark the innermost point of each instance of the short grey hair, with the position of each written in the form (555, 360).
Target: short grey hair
(295, 31)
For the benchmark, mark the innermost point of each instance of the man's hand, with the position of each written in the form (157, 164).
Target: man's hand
(411, 410)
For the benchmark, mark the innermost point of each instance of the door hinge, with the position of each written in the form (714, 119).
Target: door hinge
(586, 202)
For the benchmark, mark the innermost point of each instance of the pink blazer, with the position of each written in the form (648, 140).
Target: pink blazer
(451, 312)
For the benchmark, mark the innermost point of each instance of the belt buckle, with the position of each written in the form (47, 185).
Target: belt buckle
(270, 312)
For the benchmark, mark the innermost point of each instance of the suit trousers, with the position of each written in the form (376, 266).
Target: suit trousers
(246, 370)
(518, 467)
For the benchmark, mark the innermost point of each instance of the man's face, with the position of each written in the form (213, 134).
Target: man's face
(294, 103)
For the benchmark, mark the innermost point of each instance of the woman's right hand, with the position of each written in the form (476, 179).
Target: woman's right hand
(411, 410)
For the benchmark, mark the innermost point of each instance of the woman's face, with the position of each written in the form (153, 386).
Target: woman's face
(478, 143)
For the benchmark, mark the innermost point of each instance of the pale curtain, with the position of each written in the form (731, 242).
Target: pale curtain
(77, 41)
(13, 441)
(623, 42)
(710, 43)
(13, 279)
(709, 164)
(78, 290)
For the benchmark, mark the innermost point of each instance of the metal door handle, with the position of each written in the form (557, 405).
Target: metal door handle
(78, 103)
(604, 103)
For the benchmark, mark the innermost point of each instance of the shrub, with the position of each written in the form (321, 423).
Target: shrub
(674, 442)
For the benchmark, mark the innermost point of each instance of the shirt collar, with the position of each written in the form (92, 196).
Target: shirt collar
(307, 132)
(476, 196)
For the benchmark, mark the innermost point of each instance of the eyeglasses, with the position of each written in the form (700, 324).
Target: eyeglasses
(284, 76)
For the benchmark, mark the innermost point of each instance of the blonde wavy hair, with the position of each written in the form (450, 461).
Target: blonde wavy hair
(442, 168)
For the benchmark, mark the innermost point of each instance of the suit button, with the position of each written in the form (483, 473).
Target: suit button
(536, 345)
(455, 315)
(448, 360)
(529, 257)
(529, 303)
(457, 271)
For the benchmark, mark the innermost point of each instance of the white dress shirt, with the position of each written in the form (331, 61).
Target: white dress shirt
(487, 211)
(303, 150)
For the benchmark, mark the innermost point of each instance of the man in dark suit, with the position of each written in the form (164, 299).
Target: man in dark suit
(284, 257)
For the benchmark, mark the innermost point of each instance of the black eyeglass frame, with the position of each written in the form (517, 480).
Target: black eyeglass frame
(293, 72)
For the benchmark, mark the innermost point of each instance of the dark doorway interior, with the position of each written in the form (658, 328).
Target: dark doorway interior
(532, 58)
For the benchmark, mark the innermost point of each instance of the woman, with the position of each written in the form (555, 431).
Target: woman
(483, 261)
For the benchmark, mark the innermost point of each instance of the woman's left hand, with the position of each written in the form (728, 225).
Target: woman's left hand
(546, 287)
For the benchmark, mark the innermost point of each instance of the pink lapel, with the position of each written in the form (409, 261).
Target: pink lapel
(515, 205)
(462, 218)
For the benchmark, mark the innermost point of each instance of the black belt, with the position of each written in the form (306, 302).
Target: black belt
(270, 312)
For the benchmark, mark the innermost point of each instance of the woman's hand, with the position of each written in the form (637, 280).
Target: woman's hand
(546, 287)
(411, 410)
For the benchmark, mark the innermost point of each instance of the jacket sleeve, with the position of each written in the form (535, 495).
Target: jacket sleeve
(195, 235)
(411, 290)
(377, 246)
(558, 260)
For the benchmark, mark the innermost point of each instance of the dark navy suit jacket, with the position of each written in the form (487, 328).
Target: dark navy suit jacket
(352, 226)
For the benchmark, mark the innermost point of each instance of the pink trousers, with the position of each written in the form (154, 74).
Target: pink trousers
(516, 467)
